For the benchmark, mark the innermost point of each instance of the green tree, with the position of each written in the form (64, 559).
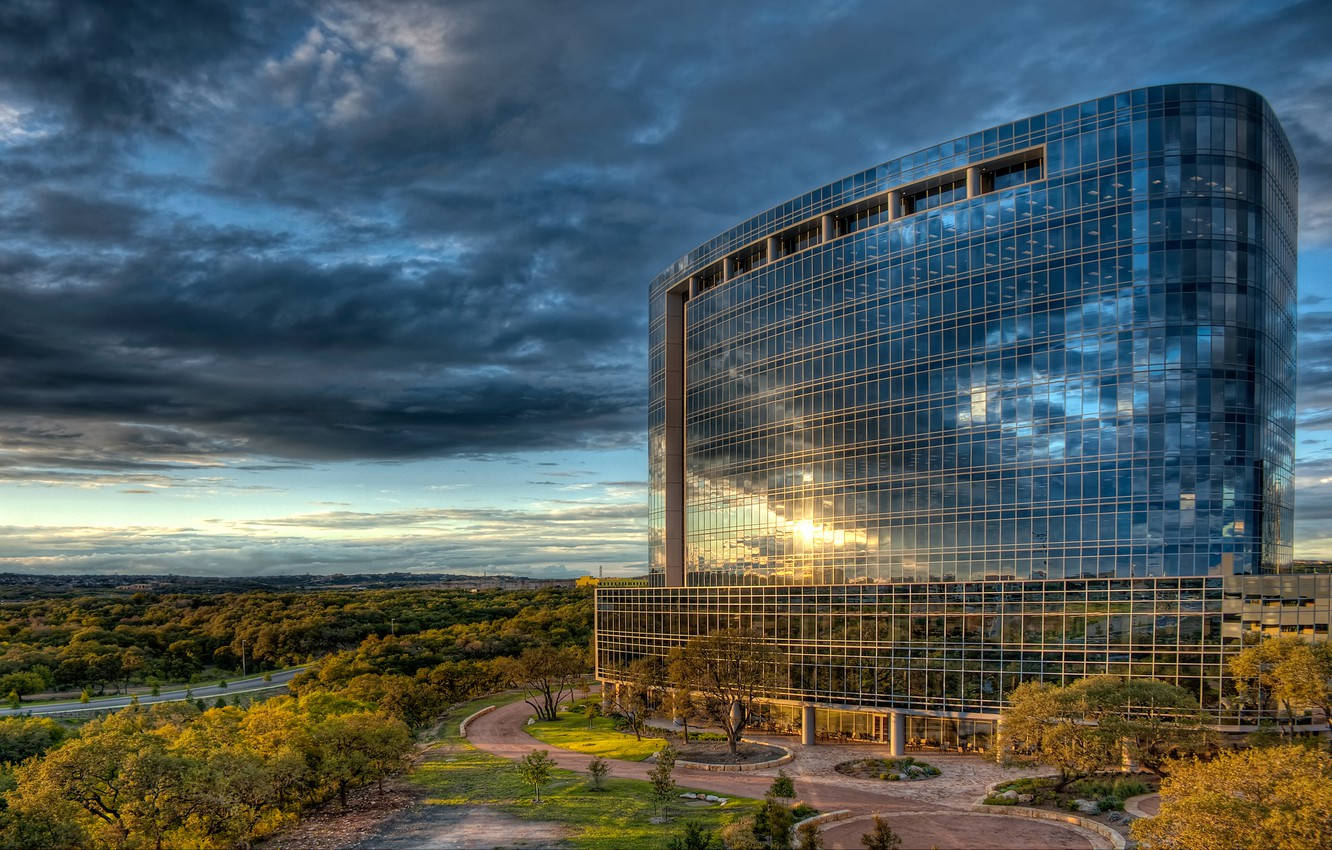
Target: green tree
(360, 746)
(639, 693)
(772, 823)
(1086, 726)
(85, 697)
(731, 670)
(1287, 672)
(22, 683)
(662, 781)
(24, 737)
(782, 787)
(881, 837)
(535, 769)
(1273, 797)
(591, 711)
(547, 676)
(597, 769)
(693, 837)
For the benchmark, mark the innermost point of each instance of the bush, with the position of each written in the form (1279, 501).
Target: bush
(1125, 788)
(1110, 804)
(803, 810)
(996, 800)
(782, 786)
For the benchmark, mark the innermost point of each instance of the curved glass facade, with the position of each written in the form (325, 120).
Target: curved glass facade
(1015, 405)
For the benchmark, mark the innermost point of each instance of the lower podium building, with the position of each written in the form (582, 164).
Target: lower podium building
(1020, 405)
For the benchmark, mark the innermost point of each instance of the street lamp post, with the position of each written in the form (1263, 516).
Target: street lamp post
(242, 657)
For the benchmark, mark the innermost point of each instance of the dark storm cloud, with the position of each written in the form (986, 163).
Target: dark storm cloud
(257, 234)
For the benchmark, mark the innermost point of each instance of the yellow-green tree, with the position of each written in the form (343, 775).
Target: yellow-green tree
(1286, 671)
(730, 670)
(1274, 797)
(1085, 727)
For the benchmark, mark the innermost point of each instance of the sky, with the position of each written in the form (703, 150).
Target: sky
(323, 287)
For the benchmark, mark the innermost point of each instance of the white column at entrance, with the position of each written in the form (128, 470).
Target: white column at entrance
(897, 740)
(807, 725)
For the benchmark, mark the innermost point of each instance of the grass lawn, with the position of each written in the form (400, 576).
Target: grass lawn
(571, 732)
(618, 817)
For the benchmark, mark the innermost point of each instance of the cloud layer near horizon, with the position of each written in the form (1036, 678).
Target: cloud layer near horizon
(239, 241)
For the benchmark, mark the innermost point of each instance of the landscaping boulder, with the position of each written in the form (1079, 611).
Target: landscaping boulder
(915, 771)
(1087, 807)
(1010, 794)
(1026, 798)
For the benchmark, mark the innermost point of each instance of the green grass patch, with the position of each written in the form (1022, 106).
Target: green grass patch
(570, 732)
(620, 816)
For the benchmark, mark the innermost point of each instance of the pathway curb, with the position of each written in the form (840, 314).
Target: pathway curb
(1116, 840)
(462, 727)
(1132, 805)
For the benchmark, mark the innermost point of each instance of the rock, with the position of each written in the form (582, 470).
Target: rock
(1088, 807)
(1025, 798)
(712, 798)
(915, 771)
(1010, 794)
(689, 795)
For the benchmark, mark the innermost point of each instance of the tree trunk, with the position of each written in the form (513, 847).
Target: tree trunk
(342, 793)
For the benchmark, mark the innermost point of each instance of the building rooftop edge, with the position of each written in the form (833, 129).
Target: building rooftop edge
(706, 251)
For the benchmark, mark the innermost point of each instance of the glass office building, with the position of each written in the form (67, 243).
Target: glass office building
(1019, 405)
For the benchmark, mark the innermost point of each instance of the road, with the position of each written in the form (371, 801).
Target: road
(201, 691)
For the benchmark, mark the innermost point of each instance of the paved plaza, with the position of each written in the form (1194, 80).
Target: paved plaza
(927, 813)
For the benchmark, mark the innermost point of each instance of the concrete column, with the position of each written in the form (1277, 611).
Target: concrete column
(807, 725)
(774, 248)
(673, 462)
(897, 740)
(728, 269)
(894, 205)
(973, 181)
(693, 286)
(829, 228)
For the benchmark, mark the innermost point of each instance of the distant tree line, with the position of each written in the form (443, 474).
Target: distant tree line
(100, 643)
(183, 775)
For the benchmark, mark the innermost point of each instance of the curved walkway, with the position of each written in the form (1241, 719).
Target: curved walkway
(945, 824)
(956, 830)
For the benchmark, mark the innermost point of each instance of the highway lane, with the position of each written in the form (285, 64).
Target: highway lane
(202, 691)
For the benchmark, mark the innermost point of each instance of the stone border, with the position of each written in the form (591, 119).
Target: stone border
(462, 727)
(787, 756)
(1131, 805)
(1116, 839)
(820, 820)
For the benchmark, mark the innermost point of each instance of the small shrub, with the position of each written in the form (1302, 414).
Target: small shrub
(694, 837)
(782, 786)
(996, 800)
(803, 810)
(1110, 804)
(1125, 788)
